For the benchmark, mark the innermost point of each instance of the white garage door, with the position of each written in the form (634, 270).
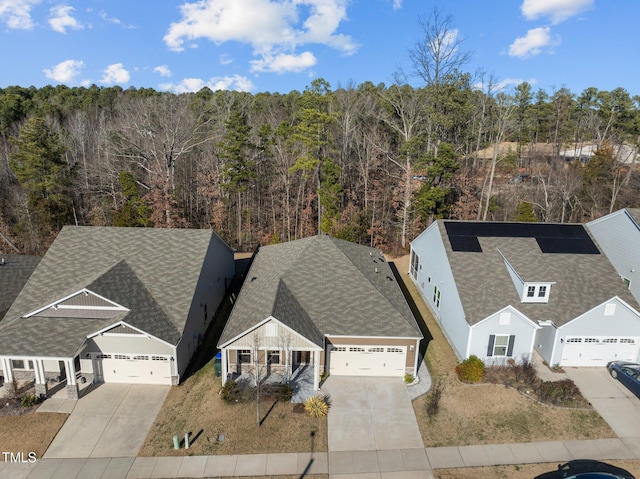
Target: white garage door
(132, 369)
(598, 350)
(367, 360)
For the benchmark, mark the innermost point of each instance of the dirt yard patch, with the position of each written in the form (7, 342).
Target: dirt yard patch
(528, 471)
(29, 432)
(487, 413)
(196, 407)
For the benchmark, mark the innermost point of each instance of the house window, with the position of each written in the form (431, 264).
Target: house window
(244, 355)
(395, 350)
(436, 296)
(627, 282)
(501, 345)
(542, 291)
(273, 357)
(415, 263)
(271, 330)
(376, 350)
(531, 291)
(17, 363)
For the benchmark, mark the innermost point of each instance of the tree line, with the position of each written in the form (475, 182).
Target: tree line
(369, 163)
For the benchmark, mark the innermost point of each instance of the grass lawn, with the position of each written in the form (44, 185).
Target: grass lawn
(196, 407)
(527, 471)
(487, 413)
(31, 432)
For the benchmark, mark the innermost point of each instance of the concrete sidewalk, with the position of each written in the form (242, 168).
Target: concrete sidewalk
(404, 463)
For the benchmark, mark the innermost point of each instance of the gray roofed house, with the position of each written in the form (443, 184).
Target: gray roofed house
(116, 305)
(15, 270)
(504, 290)
(321, 302)
(618, 235)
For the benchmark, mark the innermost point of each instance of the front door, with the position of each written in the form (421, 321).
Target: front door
(301, 358)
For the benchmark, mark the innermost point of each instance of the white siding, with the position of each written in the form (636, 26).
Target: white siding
(619, 238)
(434, 270)
(120, 344)
(625, 323)
(545, 343)
(519, 326)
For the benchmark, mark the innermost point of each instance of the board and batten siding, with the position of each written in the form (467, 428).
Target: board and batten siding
(507, 322)
(120, 344)
(619, 239)
(284, 338)
(435, 271)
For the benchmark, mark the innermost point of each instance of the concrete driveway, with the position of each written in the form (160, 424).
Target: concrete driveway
(615, 403)
(370, 414)
(111, 420)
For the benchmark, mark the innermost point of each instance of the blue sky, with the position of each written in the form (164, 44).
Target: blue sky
(282, 45)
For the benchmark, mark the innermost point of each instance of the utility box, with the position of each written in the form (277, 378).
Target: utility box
(217, 365)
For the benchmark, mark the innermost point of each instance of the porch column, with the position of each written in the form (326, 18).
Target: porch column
(224, 366)
(72, 385)
(316, 370)
(41, 382)
(287, 373)
(7, 369)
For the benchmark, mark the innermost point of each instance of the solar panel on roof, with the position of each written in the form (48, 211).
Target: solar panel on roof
(551, 238)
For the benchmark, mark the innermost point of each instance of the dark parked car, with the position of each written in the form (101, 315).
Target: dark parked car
(627, 373)
(586, 469)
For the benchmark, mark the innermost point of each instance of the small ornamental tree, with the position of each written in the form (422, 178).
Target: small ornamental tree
(471, 370)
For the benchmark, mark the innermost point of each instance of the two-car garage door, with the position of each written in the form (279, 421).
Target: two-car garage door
(598, 350)
(132, 369)
(353, 360)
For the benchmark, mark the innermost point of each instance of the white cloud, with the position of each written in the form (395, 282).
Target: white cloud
(532, 43)
(556, 10)
(272, 27)
(283, 63)
(115, 74)
(17, 13)
(235, 82)
(64, 72)
(162, 70)
(225, 59)
(397, 4)
(61, 19)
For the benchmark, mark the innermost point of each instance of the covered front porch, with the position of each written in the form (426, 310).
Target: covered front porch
(281, 365)
(46, 374)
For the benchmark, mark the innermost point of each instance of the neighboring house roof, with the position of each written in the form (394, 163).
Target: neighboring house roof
(321, 286)
(15, 270)
(635, 215)
(582, 277)
(624, 154)
(151, 272)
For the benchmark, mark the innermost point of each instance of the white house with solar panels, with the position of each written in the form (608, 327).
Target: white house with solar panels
(504, 291)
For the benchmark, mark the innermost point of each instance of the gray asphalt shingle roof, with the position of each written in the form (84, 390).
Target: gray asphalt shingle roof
(322, 286)
(582, 281)
(153, 272)
(14, 273)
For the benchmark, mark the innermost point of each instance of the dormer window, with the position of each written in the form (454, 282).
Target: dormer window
(536, 292)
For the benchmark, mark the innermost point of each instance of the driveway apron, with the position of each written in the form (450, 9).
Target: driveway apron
(614, 402)
(111, 420)
(369, 414)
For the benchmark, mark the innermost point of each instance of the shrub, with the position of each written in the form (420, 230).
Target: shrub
(471, 370)
(277, 391)
(555, 392)
(433, 401)
(230, 392)
(29, 400)
(316, 406)
(408, 378)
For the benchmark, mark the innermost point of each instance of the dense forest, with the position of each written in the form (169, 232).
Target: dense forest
(373, 164)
